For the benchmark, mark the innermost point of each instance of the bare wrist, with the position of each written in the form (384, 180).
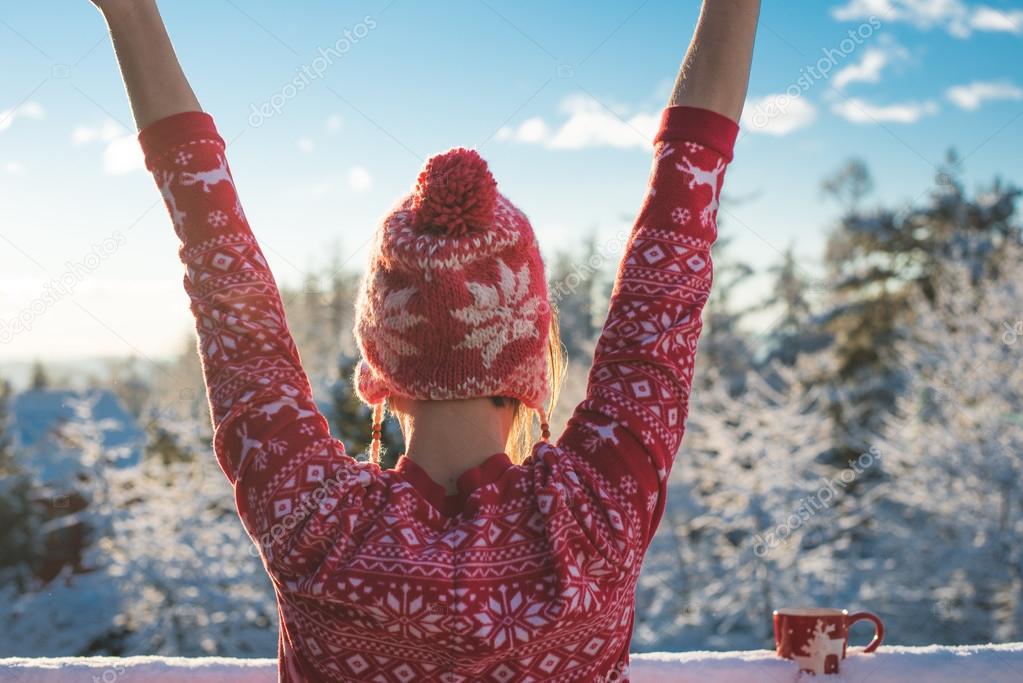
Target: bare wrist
(122, 12)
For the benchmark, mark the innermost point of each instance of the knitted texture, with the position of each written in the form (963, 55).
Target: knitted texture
(454, 303)
(529, 571)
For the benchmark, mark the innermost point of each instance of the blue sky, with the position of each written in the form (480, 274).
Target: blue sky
(559, 97)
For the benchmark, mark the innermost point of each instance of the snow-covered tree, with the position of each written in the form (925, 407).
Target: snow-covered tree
(574, 279)
(956, 445)
(879, 259)
(19, 520)
(168, 568)
(923, 526)
(753, 517)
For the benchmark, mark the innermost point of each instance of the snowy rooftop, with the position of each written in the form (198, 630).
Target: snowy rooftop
(933, 664)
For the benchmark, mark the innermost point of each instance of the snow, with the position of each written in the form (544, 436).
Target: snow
(150, 669)
(171, 571)
(925, 530)
(43, 419)
(934, 664)
(921, 526)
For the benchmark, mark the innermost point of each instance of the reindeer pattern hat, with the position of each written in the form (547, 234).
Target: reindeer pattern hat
(454, 304)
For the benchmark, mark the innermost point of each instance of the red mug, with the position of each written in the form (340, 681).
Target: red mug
(816, 637)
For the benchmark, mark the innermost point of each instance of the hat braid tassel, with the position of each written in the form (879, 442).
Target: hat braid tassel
(545, 428)
(378, 418)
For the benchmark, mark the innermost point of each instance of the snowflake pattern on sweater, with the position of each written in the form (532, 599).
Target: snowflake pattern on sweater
(526, 574)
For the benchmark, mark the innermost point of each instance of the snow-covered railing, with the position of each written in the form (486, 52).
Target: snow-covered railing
(933, 664)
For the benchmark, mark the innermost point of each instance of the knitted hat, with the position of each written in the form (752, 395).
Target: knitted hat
(454, 304)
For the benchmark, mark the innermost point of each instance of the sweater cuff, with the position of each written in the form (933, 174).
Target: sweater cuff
(161, 137)
(702, 126)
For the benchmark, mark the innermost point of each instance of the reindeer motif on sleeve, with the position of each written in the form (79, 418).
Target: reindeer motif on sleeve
(248, 444)
(166, 179)
(215, 176)
(709, 178)
(666, 151)
(270, 410)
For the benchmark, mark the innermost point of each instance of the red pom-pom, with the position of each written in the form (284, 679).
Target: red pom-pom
(455, 194)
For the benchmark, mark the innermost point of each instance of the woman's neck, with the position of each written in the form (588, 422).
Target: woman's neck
(446, 438)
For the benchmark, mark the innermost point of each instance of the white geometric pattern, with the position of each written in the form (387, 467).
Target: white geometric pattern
(533, 578)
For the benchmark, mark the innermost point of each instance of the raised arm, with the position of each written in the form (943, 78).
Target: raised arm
(623, 437)
(270, 439)
(715, 72)
(156, 85)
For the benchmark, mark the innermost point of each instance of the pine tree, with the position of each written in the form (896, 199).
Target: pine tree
(722, 343)
(352, 420)
(128, 383)
(849, 184)
(7, 464)
(955, 448)
(165, 445)
(40, 378)
(573, 279)
(19, 519)
(878, 259)
(792, 331)
(747, 498)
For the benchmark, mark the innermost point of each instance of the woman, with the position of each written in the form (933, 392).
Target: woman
(466, 562)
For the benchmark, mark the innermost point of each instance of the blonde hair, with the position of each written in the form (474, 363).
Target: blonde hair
(522, 436)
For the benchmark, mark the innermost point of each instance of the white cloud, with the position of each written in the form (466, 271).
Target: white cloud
(533, 130)
(28, 110)
(954, 16)
(121, 153)
(972, 95)
(359, 179)
(859, 111)
(589, 124)
(306, 145)
(991, 19)
(777, 115)
(110, 130)
(867, 71)
(923, 14)
(871, 65)
(32, 110)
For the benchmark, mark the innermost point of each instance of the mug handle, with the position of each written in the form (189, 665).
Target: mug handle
(878, 628)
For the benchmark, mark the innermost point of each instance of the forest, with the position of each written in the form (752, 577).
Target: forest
(862, 449)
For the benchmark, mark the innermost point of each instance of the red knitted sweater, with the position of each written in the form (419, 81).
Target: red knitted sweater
(529, 572)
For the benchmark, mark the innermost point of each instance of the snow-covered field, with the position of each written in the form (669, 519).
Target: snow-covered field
(933, 664)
